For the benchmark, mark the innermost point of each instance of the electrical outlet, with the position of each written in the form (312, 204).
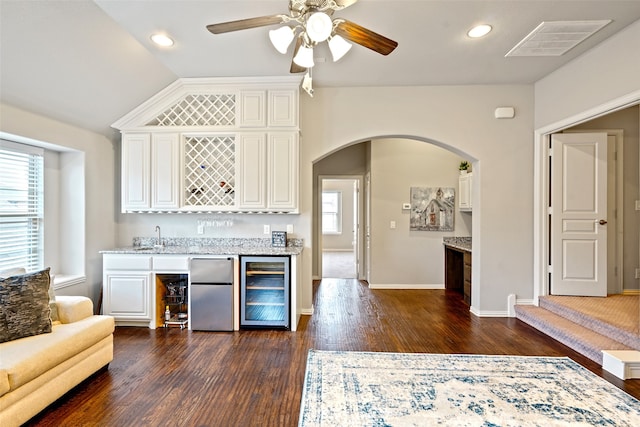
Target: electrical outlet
(289, 228)
(200, 229)
(637, 273)
(392, 224)
(267, 229)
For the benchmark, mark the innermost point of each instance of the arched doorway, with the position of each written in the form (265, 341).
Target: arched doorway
(397, 257)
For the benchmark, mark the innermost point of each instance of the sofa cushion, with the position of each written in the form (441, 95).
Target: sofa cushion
(52, 303)
(4, 382)
(24, 305)
(29, 357)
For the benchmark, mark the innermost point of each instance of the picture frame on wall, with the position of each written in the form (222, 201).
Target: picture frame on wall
(432, 209)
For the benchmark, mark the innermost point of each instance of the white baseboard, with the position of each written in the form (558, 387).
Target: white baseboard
(488, 313)
(307, 311)
(405, 286)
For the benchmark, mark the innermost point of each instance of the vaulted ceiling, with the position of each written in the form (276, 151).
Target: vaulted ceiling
(88, 63)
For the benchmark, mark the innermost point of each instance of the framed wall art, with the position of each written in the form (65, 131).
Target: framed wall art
(432, 209)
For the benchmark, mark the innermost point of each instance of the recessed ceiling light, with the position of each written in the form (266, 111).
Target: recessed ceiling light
(479, 31)
(162, 40)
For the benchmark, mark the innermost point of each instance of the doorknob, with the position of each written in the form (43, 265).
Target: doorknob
(602, 222)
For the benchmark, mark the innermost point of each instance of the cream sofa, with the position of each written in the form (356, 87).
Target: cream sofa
(35, 371)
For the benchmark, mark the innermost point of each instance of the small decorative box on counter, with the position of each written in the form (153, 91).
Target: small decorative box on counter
(279, 239)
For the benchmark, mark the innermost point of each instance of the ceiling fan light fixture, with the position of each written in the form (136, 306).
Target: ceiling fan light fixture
(307, 84)
(319, 27)
(479, 31)
(338, 47)
(281, 38)
(304, 57)
(162, 40)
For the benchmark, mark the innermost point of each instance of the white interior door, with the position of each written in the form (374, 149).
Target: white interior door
(579, 214)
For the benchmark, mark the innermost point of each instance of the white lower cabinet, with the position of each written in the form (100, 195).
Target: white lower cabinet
(127, 297)
(127, 293)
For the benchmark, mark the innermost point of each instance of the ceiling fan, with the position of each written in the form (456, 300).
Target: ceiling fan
(310, 22)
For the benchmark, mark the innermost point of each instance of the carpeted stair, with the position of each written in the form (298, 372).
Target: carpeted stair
(583, 333)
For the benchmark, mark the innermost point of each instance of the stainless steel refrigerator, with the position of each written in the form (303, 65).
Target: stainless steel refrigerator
(211, 294)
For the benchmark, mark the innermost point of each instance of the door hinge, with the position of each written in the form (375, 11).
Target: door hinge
(549, 269)
(550, 210)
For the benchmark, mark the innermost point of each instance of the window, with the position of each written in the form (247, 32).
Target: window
(331, 212)
(21, 206)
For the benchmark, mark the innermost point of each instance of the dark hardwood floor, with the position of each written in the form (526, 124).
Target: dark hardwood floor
(173, 377)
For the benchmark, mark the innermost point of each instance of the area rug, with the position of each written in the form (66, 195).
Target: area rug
(404, 389)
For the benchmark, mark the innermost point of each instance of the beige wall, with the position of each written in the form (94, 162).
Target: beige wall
(400, 257)
(609, 71)
(459, 118)
(98, 185)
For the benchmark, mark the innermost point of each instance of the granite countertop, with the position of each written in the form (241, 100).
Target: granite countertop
(204, 246)
(460, 243)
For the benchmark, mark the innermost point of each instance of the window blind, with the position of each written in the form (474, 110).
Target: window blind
(21, 206)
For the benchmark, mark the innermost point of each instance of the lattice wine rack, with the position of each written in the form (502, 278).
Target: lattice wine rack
(199, 110)
(209, 170)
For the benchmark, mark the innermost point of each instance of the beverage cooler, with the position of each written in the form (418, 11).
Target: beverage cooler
(265, 292)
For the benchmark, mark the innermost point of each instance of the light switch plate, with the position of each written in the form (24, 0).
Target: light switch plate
(289, 228)
(267, 229)
(406, 206)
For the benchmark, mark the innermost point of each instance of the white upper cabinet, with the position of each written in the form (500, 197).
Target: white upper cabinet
(213, 145)
(251, 164)
(283, 108)
(282, 167)
(150, 172)
(252, 109)
(267, 179)
(465, 184)
(165, 171)
(136, 161)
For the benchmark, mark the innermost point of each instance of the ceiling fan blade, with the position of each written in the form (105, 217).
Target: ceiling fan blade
(244, 24)
(364, 37)
(345, 3)
(295, 68)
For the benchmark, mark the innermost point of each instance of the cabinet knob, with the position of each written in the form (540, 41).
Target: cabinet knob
(602, 222)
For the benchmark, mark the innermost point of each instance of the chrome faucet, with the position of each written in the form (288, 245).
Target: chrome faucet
(159, 244)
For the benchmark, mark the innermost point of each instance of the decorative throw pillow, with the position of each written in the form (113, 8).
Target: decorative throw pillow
(24, 305)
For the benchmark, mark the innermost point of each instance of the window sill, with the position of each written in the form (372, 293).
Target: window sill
(61, 281)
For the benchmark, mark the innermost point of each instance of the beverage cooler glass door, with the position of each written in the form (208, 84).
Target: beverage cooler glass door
(264, 292)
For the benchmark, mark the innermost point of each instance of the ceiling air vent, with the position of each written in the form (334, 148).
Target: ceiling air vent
(556, 38)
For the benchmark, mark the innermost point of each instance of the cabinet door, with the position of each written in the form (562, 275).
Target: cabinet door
(250, 167)
(283, 108)
(465, 182)
(127, 296)
(252, 109)
(165, 171)
(282, 168)
(136, 172)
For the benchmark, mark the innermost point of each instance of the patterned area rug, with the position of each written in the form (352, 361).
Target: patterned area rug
(404, 389)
